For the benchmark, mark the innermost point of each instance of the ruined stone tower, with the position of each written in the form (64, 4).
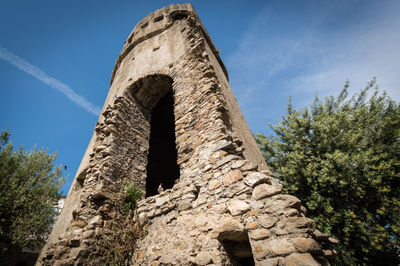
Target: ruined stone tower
(170, 118)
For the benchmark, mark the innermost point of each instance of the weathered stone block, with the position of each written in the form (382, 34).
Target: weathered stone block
(214, 184)
(201, 221)
(237, 207)
(96, 220)
(292, 224)
(279, 247)
(232, 177)
(231, 229)
(249, 167)
(238, 164)
(259, 234)
(259, 251)
(252, 225)
(227, 145)
(202, 198)
(267, 221)
(303, 245)
(304, 259)
(161, 201)
(80, 224)
(270, 262)
(185, 205)
(203, 258)
(265, 190)
(255, 179)
(224, 160)
(281, 202)
(78, 253)
(88, 234)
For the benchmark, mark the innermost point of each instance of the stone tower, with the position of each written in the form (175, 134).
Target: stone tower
(170, 118)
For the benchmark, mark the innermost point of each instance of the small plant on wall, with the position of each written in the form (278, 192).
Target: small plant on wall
(132, 194)
(126, 227)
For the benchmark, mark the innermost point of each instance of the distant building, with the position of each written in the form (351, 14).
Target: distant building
(60, 203)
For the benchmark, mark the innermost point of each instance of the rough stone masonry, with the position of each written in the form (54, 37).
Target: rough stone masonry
(170, 121)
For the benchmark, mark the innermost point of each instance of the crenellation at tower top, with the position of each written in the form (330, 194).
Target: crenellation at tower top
(159, 21)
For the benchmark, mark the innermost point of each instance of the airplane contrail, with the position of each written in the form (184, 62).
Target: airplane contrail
(50, 81)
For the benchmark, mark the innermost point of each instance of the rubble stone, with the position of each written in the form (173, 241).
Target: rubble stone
(237, 207)
(267, 221)
(203, 258)
(232, 177)
(265, 190)
(303, 259)
(279, 247)
(303, 244)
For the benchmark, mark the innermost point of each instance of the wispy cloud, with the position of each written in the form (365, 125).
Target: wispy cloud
(314, 50)
(47, 79)
(361, 54)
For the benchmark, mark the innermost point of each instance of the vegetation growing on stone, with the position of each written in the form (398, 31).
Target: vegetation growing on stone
(341, 157)
(126, 227)
(131, 196)
(29, 185)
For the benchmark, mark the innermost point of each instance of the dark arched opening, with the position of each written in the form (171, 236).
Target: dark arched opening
(238, 248)
(162, 165)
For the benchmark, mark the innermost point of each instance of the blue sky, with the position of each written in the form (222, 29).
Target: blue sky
(56, 59)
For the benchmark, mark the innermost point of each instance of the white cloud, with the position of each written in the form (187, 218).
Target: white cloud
(294, 55)
(50, 81)
(359, 58)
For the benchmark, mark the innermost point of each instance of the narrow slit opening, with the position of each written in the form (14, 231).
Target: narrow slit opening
(179, 15)
(144, 25)
(159, 18)
(162, 168)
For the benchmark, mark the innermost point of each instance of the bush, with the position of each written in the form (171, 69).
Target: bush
(29, 185)
(341, 158)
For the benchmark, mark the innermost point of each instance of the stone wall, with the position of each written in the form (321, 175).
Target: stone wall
(225, 208)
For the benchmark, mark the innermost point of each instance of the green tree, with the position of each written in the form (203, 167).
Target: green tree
(29, 187)
(341, 157)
